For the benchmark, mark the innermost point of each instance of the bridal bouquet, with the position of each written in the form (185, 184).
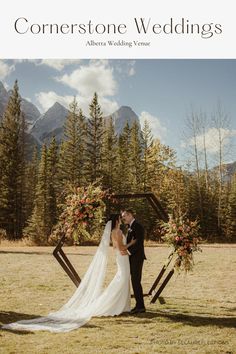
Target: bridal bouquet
(83, 207)
(183, 235)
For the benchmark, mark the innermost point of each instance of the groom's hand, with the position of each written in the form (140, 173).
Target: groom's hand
(133, 241)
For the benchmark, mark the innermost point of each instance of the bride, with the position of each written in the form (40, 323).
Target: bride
(90, 300)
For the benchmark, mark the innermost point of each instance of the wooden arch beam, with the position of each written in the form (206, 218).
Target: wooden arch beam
(151, 198)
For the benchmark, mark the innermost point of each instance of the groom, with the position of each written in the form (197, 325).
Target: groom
(136, 257)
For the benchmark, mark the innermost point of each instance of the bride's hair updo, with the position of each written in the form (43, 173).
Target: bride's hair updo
(114, 218)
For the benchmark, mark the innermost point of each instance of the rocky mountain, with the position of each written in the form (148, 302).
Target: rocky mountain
(31, 143)
(30, 111)
(57, 133)
(50, 123)
(230, 168)
(44, 126)
(229, 171)
(123, 115)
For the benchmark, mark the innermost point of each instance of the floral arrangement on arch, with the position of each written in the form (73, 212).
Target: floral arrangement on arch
(83, 207)
(183, 235)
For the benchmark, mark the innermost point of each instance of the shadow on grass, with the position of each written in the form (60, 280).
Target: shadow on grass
(9, 317)
(196, 320)
(25, 252)
(45, 253)
(191, 320)
(127, 318)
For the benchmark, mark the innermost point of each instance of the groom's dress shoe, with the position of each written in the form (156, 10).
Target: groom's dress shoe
(133, 310)
(136, 310)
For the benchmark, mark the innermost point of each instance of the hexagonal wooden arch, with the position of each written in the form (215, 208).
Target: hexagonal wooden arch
(162, 215)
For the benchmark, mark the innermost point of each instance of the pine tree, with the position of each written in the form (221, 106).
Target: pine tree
(39, 227)
(136, 157)
(52, 181)
(148, 157)
(72, 151)
(12, 166)
(110, 158)
(22, 212)
(95, 133)
(32, 178)
(231, 215)
(124, 160)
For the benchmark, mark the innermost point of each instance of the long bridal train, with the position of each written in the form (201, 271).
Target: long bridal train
(89, 300)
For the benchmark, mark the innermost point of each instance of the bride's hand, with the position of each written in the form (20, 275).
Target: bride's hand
(123, 251)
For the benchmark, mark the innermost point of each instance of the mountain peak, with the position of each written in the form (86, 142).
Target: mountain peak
(53, 118)
(57, 104)
(56, 107)
(122, 116)
(126, 108)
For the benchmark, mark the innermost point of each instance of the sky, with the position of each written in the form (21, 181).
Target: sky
(163, 91)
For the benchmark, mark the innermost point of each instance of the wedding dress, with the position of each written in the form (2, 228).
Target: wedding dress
(90, 299)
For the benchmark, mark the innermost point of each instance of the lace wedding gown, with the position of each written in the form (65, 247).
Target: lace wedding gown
(89, 300)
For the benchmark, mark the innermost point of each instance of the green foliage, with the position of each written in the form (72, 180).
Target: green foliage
(95, 131)
(110, 170)
(231, 212)
(31, 191)
(124, 160)
(149, 157)
(136, 162)
(32, 179)
(44, 214)
(12, 167)
(52, 157)
(72, 154)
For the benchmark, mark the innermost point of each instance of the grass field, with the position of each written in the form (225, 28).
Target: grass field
(198, 314)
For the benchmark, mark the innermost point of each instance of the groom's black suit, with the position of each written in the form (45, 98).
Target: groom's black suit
(136, 259)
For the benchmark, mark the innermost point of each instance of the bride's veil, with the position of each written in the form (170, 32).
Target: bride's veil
(92, 282)
(80, 307)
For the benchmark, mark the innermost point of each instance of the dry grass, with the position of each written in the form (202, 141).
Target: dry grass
(198, 315)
